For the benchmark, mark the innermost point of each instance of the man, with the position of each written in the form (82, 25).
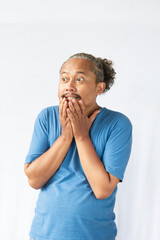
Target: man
(78, 154)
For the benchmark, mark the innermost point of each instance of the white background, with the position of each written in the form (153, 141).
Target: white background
(36, 37)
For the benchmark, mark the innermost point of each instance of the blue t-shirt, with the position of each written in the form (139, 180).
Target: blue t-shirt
(67, 208)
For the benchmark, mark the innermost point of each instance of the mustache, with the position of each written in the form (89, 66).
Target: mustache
(72, 95)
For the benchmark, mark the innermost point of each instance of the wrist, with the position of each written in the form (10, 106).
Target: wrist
(82, 138)
(66, 138)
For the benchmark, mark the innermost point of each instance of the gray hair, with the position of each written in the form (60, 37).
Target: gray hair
(102, 69)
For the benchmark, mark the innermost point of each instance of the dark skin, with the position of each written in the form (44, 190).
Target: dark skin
(76, 122)
(80, 122)
(78, 81)
(77, 116)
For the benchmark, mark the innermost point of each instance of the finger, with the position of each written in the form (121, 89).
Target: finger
(82, 106)
(72, 110)
(71, 106)
(64, 108)
(69, 113)
(76, 107)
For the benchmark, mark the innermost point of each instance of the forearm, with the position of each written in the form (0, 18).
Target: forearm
(93, 168)
(45, 166)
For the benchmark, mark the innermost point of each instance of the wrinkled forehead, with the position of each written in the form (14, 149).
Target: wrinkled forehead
(74, 64)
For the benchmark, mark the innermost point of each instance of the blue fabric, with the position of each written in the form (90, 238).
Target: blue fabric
(67, 208)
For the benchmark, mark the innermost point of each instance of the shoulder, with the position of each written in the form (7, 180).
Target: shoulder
(48, 112)
(116, 119)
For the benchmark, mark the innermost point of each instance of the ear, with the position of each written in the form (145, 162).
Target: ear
(100, 87)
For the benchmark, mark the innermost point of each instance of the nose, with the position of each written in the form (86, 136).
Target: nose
(70, 86)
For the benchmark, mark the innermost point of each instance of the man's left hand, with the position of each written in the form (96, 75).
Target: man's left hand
(80, 122)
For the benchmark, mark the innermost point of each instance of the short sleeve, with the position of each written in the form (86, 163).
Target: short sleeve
(39, 142)
(118, 147)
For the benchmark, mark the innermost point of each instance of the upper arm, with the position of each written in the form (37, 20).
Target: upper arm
(39, 142)
(117, 150)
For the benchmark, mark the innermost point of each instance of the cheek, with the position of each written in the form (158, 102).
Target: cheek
(90, 93)
(89, 97)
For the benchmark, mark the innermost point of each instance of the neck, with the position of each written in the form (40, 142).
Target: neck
(92, 109)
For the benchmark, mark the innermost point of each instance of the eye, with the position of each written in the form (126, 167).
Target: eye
(64, 79)
(79, 79)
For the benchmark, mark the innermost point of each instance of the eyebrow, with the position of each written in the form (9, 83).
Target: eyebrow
(76, 72)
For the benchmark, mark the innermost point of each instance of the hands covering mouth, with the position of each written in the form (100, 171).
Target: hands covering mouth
(73, 117)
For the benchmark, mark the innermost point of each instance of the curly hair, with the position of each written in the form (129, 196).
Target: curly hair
(102, 69)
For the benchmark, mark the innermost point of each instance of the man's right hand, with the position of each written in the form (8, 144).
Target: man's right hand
(67, 131)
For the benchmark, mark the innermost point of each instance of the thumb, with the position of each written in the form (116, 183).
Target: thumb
(92, 117)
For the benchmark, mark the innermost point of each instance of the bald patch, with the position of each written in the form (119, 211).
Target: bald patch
(83, 62)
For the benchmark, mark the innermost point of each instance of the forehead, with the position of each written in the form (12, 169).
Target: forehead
(77, 64)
